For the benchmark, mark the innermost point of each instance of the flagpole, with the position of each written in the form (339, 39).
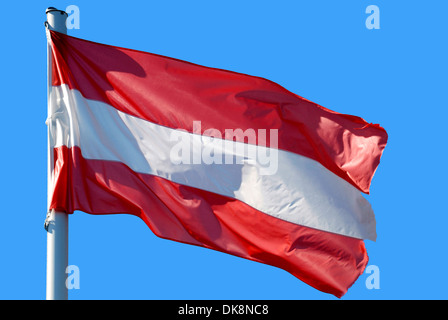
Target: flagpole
(56, 222)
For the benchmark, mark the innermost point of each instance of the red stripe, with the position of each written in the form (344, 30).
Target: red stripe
(326, 261)
(175, 93)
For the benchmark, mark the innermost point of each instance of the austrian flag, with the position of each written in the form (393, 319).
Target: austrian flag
(213, 158)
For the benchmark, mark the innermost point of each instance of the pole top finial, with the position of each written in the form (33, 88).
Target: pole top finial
(56, 20)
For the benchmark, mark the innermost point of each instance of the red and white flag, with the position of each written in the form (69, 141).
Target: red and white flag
(213, 158)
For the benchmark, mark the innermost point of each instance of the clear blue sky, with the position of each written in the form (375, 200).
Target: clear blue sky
(395, 76)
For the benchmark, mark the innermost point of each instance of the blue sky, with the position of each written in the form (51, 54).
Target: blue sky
(395, 76)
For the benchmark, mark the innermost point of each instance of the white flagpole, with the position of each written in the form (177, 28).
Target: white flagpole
(56, 223)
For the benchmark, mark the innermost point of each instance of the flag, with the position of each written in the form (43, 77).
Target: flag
(212, 158)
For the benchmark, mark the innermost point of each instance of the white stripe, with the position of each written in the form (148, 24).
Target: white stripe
(300, 190)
